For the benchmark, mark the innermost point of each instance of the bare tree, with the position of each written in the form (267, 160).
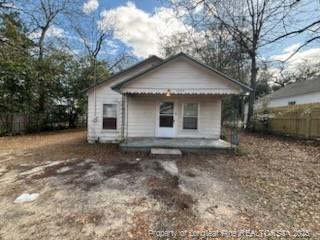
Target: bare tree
(303, 71)
(96, 35)
(213, 46)
(5, 4)
(42, 15)
(312, 28)
(249, 22)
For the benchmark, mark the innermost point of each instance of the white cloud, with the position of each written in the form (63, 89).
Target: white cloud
(9, 5)
(34, 35)
(90, 6)
(53, 31)
(296, 62)
(196, 5)
(292, 48)
(310, 55)
(141, 30)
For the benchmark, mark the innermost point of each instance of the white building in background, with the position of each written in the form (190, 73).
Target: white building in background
(293, 94)
(305, 92)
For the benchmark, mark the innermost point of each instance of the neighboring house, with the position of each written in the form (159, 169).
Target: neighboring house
(295, 93)
(178, 97)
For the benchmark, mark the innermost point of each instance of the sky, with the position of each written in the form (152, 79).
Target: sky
(140, 26)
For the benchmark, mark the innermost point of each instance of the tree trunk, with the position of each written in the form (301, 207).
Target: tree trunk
(72, 118)
(252, 96)
(42, 90)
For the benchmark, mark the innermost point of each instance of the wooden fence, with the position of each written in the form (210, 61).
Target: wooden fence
(17, 123)
(301, 121)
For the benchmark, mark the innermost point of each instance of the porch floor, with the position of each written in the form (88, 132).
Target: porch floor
(184, 144)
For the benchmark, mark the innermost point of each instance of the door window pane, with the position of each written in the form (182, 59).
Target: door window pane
(166, 121)
(166, 108)
(166, 118)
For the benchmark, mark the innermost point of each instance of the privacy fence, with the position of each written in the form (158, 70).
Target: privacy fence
(301, 121)
(18, 123)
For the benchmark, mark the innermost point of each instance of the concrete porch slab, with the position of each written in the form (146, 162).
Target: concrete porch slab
(184, 144)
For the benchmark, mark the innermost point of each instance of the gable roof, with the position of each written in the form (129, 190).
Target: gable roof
(152, 58)
(118, 86)
(295, 89)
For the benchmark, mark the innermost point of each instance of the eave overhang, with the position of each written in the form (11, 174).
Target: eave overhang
(180, 91)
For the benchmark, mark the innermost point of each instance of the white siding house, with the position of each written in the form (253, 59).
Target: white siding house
(177, 98)
(293, 94)
(103, 94)
(143, 116)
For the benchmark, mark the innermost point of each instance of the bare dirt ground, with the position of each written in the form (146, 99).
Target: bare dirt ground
(93, 191)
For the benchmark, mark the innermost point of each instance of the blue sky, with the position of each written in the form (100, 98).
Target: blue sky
(146, 5)
(141, 24)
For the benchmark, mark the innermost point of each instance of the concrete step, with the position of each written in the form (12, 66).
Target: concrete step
(166, 151)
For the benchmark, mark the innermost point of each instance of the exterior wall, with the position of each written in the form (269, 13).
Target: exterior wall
(105, 95)
(143, 114)
(184, 75)
(282, 102)
(302, 99)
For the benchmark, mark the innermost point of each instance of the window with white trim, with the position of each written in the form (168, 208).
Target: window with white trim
(109, 116)
(190, 115)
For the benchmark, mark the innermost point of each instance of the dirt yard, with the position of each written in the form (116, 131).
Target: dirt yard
(93, 191)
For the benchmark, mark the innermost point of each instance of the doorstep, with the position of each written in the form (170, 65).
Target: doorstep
(165, 151)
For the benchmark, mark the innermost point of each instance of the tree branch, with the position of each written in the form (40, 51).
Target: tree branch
(299, 48)
(294, 32)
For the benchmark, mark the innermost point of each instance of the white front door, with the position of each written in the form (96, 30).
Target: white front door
(166, 121)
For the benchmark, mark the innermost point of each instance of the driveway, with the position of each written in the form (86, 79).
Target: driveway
(84, 191)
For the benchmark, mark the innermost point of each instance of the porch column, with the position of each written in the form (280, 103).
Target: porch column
(124, 116)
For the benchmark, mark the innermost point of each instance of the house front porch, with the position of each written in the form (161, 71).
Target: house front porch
(184, 144)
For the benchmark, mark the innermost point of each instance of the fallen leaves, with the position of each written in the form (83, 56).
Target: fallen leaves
(285, 174)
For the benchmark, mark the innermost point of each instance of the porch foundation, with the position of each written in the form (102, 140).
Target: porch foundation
(184, 144)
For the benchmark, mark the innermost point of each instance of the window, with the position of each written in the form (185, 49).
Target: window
(292, 103)
(190, 116)
(109, 116)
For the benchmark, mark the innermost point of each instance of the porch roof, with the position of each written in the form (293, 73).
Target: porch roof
(179, 91)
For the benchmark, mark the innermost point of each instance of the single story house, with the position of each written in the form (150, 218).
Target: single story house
(174, 98)
(293, 94)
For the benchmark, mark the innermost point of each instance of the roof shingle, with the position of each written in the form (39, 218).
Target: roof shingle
(295, 89)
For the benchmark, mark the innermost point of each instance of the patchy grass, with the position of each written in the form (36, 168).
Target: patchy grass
(94, 191)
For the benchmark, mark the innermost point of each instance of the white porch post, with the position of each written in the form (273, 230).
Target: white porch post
(124, 120)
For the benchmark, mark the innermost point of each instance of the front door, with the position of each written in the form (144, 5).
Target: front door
(166, 125)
